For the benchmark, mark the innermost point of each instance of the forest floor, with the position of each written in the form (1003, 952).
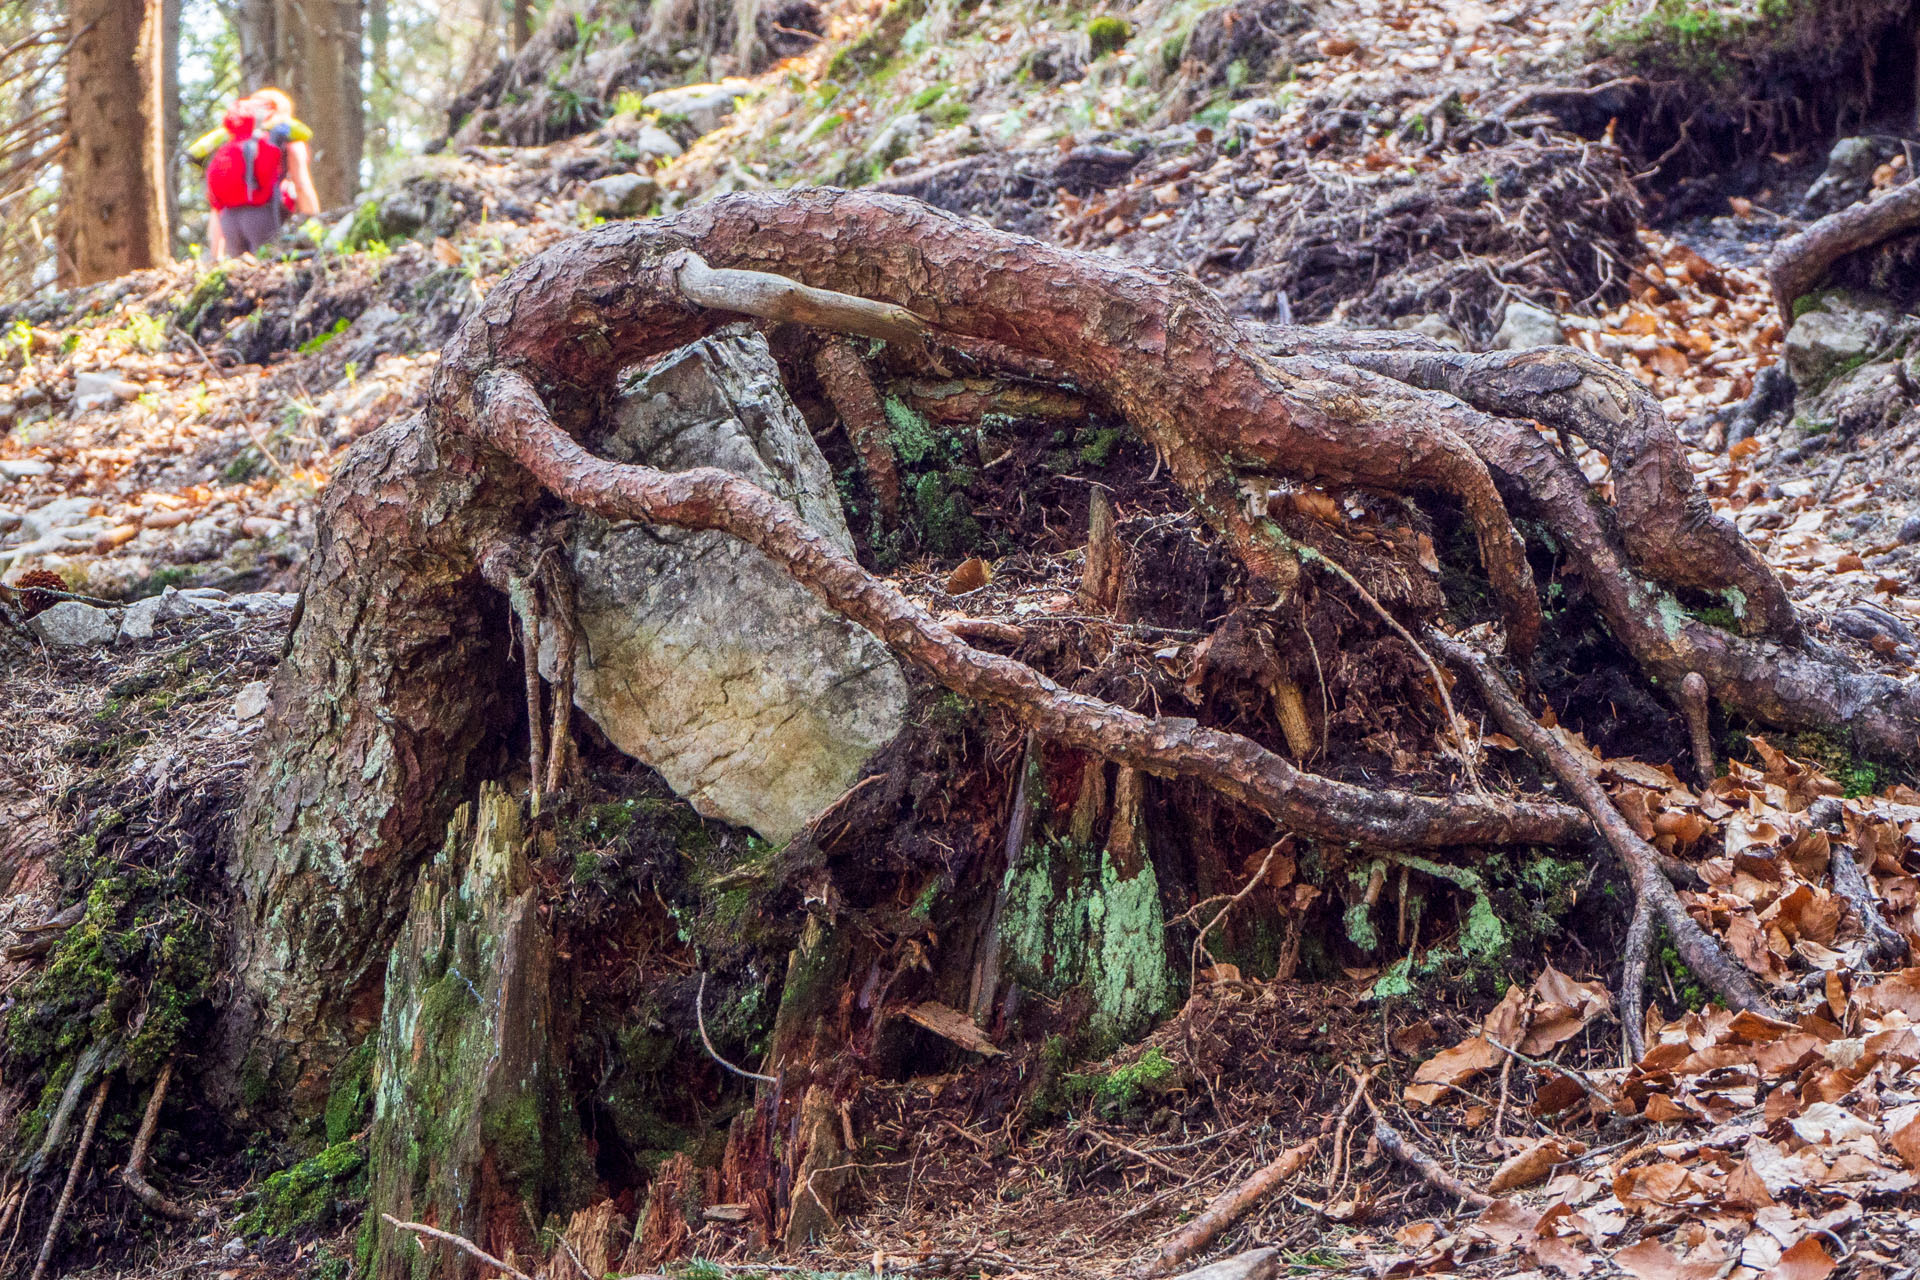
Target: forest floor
(172, 430)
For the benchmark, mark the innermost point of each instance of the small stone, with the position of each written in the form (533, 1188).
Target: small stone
(1254, 110)
(96, 390)
(251, 700)
(234, 1250)
(143, 616)
(1526, 326)
(703, 106)
(73, 625)
(624, 195)
(262, 527)
(654, 143)
(21, 468)
(1909, 531)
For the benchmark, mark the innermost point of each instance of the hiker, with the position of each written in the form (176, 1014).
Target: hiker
(257, 171)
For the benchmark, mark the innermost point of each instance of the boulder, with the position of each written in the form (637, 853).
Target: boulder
(623, 195)
(1840, 331)
(700, 656)
(702, 106)
(73, 625)
(1526, 326)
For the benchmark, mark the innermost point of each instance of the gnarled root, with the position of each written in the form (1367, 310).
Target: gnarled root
(1801, 261)
(1704, 956)
(513, 417)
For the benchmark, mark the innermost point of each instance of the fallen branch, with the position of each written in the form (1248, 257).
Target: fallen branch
(1800, 262)
(771, 297)
(133, 1175)
(1401, 1148)
(1702, 954)
(458, 1242)
(1226, 1209)
(1633, 981)
(73, 1176)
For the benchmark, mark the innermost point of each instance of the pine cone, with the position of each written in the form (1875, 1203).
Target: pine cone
(37, 601)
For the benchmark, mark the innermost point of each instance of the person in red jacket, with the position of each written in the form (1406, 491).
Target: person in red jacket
(258, 170)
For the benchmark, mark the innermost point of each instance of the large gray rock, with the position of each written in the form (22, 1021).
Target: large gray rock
(1842, 331)
(699, 655)
(73, 625)
(702, 106)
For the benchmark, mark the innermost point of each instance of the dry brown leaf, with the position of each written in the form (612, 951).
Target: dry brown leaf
(971, 575)
(1528, 1167)
(1808, 1260)
(1651, 1260)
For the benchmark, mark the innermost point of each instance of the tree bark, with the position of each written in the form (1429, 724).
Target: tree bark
(114, 203)
(317, 61)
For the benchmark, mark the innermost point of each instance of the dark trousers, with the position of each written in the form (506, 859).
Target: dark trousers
(247, 227)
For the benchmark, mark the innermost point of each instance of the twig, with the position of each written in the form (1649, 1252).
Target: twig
(1199, 942)
(458, 1242)
(1135, 1152)
(1401, 1148)
(73, 1176)
(1225, 1209)
(700, 1016)
(1593, 1090)
(1337, 1177)
(133, 1174)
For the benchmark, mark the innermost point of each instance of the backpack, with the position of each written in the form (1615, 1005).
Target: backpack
(245, 169)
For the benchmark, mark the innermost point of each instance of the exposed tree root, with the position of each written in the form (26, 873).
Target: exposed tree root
(378, 715)
(1702, 954)
(1801, 261)
(511, 413)
(134, 1175)
(848, 385)
(73, 1177)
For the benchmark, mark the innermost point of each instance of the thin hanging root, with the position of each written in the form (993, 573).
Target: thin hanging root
(134, 1174)
(73, 1176)
(848, 384)
(1702, 954)
(566, 647)
(1693, 708)
(536, 728)
(1469, 747)
(512, 417)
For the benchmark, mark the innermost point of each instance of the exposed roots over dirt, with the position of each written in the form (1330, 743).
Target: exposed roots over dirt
(403, 525)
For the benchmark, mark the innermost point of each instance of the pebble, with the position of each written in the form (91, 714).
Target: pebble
(21, 468)
(251, 700)
(1910, 530)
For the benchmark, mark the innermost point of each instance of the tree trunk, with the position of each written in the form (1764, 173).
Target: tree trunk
(114, 211)
(256, 24)
(317, 61)
(172, 171)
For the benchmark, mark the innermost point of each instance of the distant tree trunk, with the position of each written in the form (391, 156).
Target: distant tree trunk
(319, 56)
(170, 107)
(114, 215)
(522, 23)
(311, 49)
(378, 87)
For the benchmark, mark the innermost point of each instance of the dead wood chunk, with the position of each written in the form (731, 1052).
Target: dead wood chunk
(820, 1171)
(664, 1231)
(1100, 580)
(592, 1233)
(951, 1024)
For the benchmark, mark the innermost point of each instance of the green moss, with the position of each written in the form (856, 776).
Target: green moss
(350, 1094)
(1100, 444)
(309, 1195)
(1107, 34)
